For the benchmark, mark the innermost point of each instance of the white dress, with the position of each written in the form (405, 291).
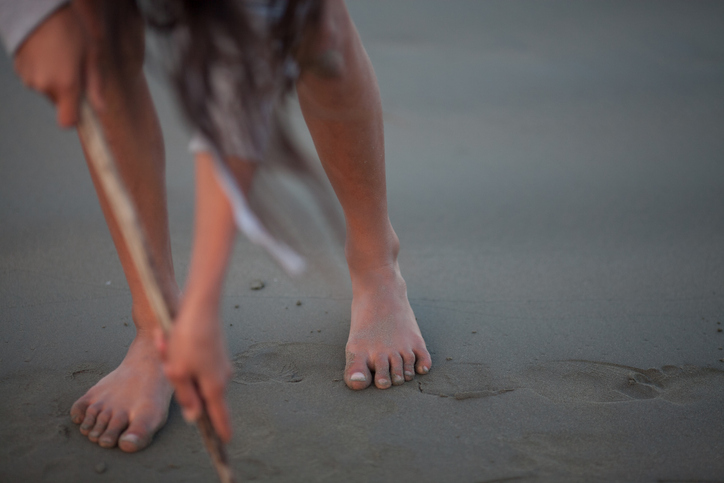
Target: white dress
(18, 18)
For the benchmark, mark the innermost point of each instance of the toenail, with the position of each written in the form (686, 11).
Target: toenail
(94, 434)
(425, 369)
(132, 439)
(398, 378)
(358, 376)
(85, 427)
(409, 374)
(383, 382)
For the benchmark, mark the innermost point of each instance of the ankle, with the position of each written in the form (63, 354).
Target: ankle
(144, 317)
(370, 254)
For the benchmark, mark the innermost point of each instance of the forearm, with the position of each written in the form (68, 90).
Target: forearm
(214, 234)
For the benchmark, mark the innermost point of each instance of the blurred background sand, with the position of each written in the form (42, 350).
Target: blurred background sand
(556, 177)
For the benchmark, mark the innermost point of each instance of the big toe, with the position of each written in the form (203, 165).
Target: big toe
(357, 375)
(139, 434)
(132, 441)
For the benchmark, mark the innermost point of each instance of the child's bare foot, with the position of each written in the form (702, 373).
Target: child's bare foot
(130, 404)
(384, 337)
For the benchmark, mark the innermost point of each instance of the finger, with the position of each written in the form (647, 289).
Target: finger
(66, 104)
(218, 411)
(188, 398)
(159, 340)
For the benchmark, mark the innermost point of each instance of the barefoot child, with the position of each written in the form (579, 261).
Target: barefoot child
(340, 102)
(55, 53)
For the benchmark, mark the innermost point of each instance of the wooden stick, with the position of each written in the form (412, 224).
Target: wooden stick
(101, 158)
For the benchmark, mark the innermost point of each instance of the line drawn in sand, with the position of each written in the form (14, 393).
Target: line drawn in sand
(467, 380)
(604, 382)
(285, 363)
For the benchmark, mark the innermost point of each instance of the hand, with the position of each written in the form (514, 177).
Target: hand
(59, 61)
(196, 363)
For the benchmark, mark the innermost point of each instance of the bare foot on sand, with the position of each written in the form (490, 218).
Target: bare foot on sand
(384, 337)
(130, 404)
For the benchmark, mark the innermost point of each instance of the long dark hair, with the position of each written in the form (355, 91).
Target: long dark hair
(198, 37)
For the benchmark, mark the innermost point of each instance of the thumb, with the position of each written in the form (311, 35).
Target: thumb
(67, 101)
(159, 340)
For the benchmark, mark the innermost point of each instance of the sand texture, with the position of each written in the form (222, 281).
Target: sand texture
(556, 177)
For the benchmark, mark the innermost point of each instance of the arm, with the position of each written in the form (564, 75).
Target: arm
(195, 353)
(58, 60)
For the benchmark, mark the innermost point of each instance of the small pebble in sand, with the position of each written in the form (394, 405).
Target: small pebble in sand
(101, 468)
(103, 327)
(231, 325)
(448, 358)
(256, 284)
(299, 302)
(475, 332)
(721, 360)
(718, 330)
(236, 306)
(319, 330)
(125, 324)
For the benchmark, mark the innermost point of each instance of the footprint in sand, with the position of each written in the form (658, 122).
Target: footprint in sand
(285, 363)
(602, 382)
(462, 381)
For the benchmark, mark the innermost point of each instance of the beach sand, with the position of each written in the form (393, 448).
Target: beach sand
(556, 177)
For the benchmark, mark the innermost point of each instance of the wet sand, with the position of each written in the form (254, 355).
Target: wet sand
(556, 180)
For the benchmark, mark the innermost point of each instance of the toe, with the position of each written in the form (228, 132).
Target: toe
(357, 375)
(424, 362)
(100, 426)
(77, 412)
(90, 419)
(116, 425)
(382, 372)
(408, 365)
(138, 435)
(396, 370)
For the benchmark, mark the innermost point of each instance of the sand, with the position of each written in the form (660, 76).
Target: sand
(556, 179)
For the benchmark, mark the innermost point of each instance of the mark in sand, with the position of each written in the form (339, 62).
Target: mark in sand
(604, 382)
(286, 363)
(462, 381)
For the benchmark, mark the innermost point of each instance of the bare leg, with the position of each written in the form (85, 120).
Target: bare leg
(130, 404)
(344, 115)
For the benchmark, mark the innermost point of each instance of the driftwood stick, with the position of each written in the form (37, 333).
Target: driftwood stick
(101, 158)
